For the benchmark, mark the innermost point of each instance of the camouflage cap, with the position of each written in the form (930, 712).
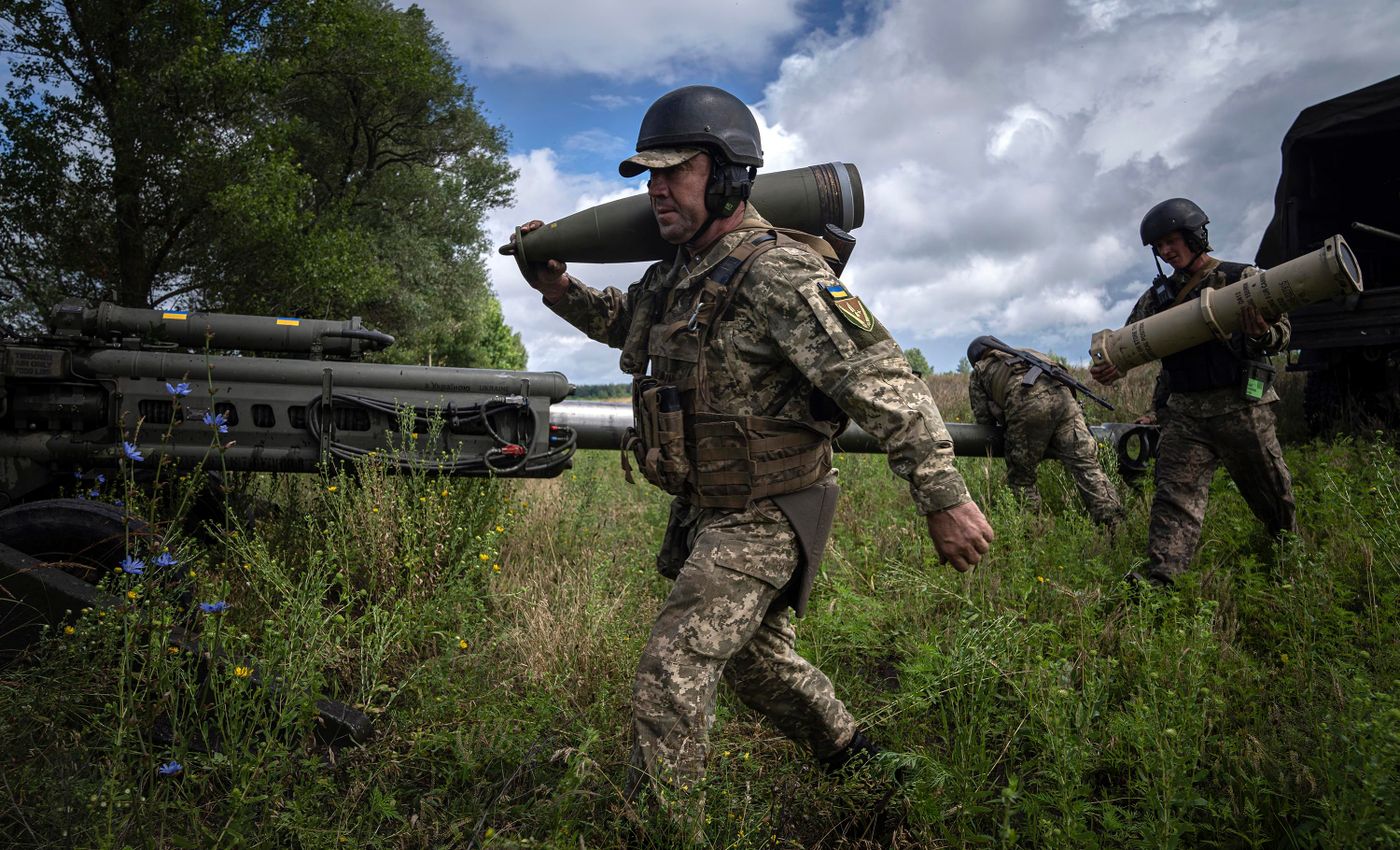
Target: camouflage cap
(654, 158)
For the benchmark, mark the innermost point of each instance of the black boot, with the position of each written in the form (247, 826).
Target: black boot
(860, 752)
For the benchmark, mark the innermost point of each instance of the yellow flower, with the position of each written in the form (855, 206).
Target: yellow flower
(1040, 579)
(193, 573)
(422, 498)
(374, 510)
(242, 672)
(495, 568)
(247, 566)
(462, 644)
(131, 594)
(500, 528)
(483, 556)
(444, 492)
(68, 630)
(173, 650)
(330, 489)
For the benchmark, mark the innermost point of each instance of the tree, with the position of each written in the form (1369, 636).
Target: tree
(265, 156)
(917, 361)
(964, 365)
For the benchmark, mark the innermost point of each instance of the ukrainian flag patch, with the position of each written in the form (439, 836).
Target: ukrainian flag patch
(849, 306)
(291, 323)
(175, 317)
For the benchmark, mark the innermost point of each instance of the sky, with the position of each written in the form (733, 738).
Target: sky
(1008, 148)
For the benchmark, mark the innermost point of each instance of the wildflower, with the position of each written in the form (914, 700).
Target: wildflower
(500, 528)
(165, 559)
(1040, 579)
(1283, 656)
(131, 594)
(331, 489)
(101, 479)
(483, 556)
(133, 566)
(179, 390)
(173, 650)
(214, 607)
(242, 672)
(216, 421)
(191, 573)
(94, 493)
(131, 452)
(170, 768)
(444, 492)
(68, 630)
(495, 568)
(374, 510)
(462, 644)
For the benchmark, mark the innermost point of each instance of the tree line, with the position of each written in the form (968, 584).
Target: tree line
(318, 158)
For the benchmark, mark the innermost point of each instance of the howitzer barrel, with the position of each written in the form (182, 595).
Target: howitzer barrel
(219, 330)
(1329, 271)
(601, 425)
(624, 231)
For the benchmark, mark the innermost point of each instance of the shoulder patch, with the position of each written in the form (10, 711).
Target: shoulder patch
(849, 306)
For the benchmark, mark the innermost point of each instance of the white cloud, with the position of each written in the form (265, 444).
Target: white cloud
(658, 38)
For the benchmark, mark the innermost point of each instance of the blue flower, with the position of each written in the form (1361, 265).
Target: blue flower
(94, 492)
(131, 452)
(170, 768)
(165, 559)
(179, 390)
(133, 566)
(101, 479)
(214, 607)
(216, 420)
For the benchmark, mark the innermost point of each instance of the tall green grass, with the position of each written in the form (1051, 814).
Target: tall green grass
(491, 631)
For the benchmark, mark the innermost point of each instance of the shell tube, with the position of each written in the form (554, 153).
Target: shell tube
(1328, 272)
(624, 231)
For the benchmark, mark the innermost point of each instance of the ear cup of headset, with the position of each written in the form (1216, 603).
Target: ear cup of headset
(730, 183)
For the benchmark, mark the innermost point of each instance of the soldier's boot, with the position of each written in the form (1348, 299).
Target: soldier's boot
(860, 752)
(1143, 578)
(858, 756)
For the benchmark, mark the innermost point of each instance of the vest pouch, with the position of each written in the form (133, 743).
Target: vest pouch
(1256, 376)
(660, 447)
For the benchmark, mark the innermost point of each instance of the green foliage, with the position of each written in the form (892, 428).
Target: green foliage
(917, 361)
(1036, 702)
(262, 156)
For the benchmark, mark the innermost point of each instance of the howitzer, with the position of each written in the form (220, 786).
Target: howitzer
(602, 425)
(1040, 366)
(105, 376)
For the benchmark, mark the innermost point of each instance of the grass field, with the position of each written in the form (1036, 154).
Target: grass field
(491, 631)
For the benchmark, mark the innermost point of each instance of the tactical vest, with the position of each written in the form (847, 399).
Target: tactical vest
(1212, 364)
(680, 441)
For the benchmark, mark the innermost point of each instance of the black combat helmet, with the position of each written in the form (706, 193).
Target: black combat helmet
(682, 122)
(977, 348)
(699, 117)
(1176, 214)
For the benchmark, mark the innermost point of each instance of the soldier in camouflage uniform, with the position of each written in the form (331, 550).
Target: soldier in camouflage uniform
(746, 355)
(1042, 420)
(1214, 400)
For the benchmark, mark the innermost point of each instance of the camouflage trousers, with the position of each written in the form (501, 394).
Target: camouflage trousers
(1046, 422)
(722, 620)
(1190, 450)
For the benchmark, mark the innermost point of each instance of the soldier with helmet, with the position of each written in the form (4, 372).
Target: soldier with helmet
(1214, 400)
(1042, 419)
(747, 355)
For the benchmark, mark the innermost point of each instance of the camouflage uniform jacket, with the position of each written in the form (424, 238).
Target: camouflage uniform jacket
(1224, 399)
(782, 337)
(993, 378)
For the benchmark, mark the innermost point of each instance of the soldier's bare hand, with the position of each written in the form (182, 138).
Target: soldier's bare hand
(1252, 322)
(1105, 373)
(961, 534)
(1146, 419)
(547, 277)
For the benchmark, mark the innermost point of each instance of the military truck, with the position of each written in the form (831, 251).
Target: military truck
(1341, 174)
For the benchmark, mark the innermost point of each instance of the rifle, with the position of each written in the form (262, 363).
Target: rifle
(1040, 366)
